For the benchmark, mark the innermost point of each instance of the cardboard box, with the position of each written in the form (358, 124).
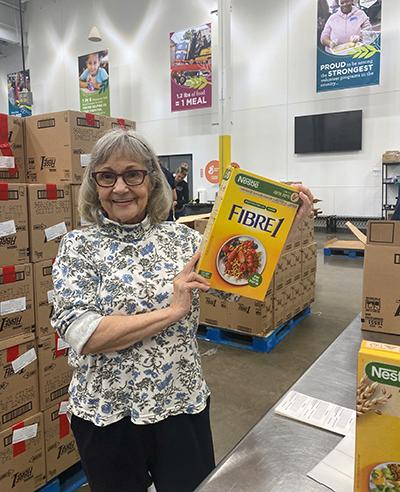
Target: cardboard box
(59, 145)
(54, 372)
(114, 123)
(18, 382)
(190, 220)
(12, 169)
(23, 464)
(377, 460)
(294, 240)
(214, 310)
(288, 270)
(307, 231)
(200, 225)
(282, 306)
(14, 237)
(50, 217)
(308, 287)
(381, 282)
(246, 233)
(296, 298)
(16, 300)
(43, 289)
(309, 260)
(59, 442)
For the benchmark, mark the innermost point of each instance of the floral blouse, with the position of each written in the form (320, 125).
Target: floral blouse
(128, 269)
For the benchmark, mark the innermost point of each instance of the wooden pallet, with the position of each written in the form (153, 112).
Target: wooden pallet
(223, 336)
(352, 249)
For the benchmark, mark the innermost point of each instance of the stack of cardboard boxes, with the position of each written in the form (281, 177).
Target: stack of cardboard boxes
(291, 290)
(42, 160)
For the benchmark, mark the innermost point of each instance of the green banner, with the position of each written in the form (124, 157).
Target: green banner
(94, 86)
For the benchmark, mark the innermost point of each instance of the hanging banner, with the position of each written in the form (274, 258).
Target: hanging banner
(190, 54)
(19, 93)
(348, 44)
(94, 89)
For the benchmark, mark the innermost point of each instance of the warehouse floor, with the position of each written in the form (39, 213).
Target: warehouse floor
(246, 384)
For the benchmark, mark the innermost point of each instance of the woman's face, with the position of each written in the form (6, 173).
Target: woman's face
(121, 202)
(346, 6)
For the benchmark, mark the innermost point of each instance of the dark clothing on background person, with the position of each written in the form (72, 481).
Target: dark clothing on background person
(182, 192)
(171, 181)
(116, 457)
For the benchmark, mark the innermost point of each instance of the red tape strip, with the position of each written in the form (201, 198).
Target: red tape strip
(12, 353)
(121, 123)
(19, 447)
(58, 353)
(63, 425)
(90, 119)
(9, 275)
(3, 191)
(3, 130)
(51, 191)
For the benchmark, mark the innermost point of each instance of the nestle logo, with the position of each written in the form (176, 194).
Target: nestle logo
(22, 476)
(8, 240)
(48, 162)
(10, 322)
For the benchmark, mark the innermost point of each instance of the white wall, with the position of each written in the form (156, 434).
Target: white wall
(273, 79)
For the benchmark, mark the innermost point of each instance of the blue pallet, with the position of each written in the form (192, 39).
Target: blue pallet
(254, 343)
(68, 481)
(351, 253)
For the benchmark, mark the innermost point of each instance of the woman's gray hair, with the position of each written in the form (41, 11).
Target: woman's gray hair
(131, 146)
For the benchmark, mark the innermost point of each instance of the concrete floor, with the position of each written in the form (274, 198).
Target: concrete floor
(245, 385)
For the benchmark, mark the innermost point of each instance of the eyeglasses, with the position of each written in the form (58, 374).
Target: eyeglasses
(107, 179)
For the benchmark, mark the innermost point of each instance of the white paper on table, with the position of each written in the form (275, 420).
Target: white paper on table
(336, 470)
(318, 413)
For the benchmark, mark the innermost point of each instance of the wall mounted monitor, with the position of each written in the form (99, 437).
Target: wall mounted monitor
(329, 132)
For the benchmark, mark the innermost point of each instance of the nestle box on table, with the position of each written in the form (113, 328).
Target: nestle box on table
(16, 300)
(14, 237)
(308, 290)
(214, 310)
(114, 123)
(43, 289)
(22, 456)
(54, 372)
(59, 442)
(246, 233)
(50, 217)
(309, 260)
(59, 145)
(377, 460)
(18, 379)
(12, 169)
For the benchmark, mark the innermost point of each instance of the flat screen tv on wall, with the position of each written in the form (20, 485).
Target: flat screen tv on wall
(329, 132)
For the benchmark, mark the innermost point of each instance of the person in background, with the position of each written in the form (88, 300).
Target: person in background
(346, 25)
(93, 77)
(171, 181)
(182, 189)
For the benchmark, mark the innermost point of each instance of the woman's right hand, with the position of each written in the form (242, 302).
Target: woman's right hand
(184, 283)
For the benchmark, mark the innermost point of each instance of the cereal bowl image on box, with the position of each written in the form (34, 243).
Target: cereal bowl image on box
(241, 260)
(385, 476)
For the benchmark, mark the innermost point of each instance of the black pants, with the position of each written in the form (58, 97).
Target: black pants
(177, 452)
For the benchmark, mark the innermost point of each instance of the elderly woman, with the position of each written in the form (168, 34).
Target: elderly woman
(126, 301)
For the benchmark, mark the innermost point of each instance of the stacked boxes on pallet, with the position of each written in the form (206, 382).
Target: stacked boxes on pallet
(36, 441)
(291, 291)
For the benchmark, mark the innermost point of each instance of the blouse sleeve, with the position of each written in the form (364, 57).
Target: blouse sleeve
(77, 312)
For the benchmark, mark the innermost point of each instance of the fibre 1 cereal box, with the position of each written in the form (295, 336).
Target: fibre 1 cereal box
(246, 232)
(377, 467)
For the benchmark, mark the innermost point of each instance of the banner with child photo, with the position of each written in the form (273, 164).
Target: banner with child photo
(94, 89)
(348, 43)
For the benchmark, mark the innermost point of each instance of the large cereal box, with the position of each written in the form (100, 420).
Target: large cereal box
(378, 418)
(246, 232)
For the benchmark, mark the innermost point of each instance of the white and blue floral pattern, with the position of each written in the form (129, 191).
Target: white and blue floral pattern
(128, 269)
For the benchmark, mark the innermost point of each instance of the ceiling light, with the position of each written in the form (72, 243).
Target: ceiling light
(94, 35)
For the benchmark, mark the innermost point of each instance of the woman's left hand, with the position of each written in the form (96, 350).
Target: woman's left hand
(306, 204)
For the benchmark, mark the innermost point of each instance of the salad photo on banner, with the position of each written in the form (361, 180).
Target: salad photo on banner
(190, 53)
(94, 89)
(348, 43)
(19, 93)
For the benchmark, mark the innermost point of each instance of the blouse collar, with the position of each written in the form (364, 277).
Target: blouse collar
(125, 231)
